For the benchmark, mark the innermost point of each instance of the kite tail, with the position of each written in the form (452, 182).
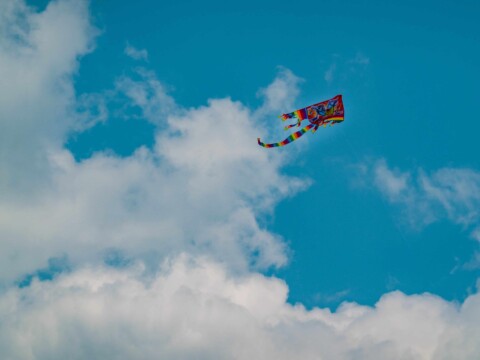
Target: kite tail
(289, 139)
(300, 114)
(297, 124)
(286, 116)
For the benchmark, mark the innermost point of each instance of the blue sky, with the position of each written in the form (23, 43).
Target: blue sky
(408, 73)
(131, 173)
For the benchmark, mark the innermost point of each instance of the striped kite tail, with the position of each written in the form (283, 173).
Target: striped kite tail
(289, 139)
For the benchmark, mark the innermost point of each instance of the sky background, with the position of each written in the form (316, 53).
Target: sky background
(130, 171)
(402, 68)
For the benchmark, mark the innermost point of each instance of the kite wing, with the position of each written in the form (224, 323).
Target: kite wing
(323, 113)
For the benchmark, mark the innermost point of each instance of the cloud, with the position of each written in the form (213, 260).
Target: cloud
(186, 194)
(194, 308)
(341, 68)
(39, 54)
(392, 183)
(457, 191)
(202, 188)
(280, 95)
(179, 224)
(447, 193)
(136, 54)
(360, 59)
(476, 234)
(91, 109)
(330, 73)
(145, 94)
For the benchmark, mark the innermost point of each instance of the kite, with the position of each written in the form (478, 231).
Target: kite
(320, 114)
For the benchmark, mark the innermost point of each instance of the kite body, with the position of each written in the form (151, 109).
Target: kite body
(320, 114)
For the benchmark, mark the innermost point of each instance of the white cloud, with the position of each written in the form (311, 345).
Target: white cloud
(447, 193)
(476, 234)
(39, 53)
(196, 309)
(201, 190)
(91, 109)
(280, 95)
(148, 95)
(392, 183)
(136, 54)
(329, 74)
(457, 191)
(341, 68)
(360, 59)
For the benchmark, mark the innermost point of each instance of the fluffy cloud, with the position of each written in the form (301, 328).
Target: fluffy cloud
(188, 194)
(39, 53)
(392, 183)
(448, 193)
(279, 96)
(197, 309)
(136, 54)
(148, 96)
(329, 73)
(201, 189)
(341, 68)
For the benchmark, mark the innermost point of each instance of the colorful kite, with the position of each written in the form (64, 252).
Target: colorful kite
(323, 113)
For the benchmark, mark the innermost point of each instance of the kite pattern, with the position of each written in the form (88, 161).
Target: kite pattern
(320, 114)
